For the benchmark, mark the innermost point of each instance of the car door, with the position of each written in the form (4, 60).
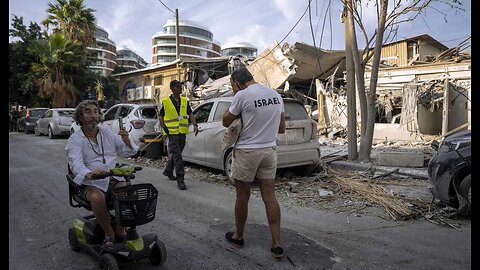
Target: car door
(44, 121)
(195, 145)
(109, 117)
(214, 131)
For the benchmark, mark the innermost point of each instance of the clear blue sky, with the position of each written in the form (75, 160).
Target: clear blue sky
(132, 23)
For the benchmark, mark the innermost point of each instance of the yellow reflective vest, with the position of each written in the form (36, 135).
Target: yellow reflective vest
(176, 124)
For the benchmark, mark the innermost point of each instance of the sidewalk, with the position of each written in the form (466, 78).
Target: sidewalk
(335, 154)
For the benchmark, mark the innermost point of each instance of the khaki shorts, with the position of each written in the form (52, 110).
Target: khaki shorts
(248, 164)
(114, 183)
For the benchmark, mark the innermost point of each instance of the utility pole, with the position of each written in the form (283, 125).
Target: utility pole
(351, 100)
(177, 34)
(177, 41)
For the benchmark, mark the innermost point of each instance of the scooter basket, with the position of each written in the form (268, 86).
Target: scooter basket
(135, 204)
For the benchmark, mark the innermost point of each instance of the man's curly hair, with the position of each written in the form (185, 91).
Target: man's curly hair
(78, 114)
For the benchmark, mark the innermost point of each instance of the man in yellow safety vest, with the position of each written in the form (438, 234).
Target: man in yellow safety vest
(175, 117)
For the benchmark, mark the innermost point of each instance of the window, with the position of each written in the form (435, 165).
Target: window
(202, 113)
(222, 107)
(124, 111)
(65, 113)
(158, 80)
(295, 111)
(148, 112)
(49, 113)
(110, 115)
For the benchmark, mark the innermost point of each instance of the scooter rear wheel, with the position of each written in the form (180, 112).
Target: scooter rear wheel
(108, 262)
(72, 239)
(158, 253)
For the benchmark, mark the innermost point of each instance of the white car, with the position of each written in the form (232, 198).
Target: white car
(297, 147)
(137, 119)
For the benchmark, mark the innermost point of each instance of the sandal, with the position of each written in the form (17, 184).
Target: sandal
(277, 252)
(108, 241)
(238, 243)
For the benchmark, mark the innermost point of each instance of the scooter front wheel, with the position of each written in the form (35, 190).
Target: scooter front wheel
(158, 253)
(108, 262)
(72, 239)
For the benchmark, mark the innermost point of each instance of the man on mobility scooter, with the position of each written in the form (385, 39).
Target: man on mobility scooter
(99, 184)
(90, 153)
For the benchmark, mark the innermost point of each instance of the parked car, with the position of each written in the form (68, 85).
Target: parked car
(138, 120)
(297, 147)
(449, 171)
(55, 122)
(74, 127)
(29, 119)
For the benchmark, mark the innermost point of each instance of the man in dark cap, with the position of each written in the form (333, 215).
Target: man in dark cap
(175, 118)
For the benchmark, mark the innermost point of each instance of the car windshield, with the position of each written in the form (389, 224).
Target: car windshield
(148, 112)
(295, 111)
(37, 113)
(65, 113)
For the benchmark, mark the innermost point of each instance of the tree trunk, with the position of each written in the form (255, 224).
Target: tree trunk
(351, 104)
(360, 79)
(372, 95)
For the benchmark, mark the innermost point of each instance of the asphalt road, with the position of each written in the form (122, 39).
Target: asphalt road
(192, 225)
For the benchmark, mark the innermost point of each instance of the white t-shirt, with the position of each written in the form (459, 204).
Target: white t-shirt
(260, 107)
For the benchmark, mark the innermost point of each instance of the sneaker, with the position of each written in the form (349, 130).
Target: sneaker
(277, 252)
(169, 175)
(181, 185)
(238, 243)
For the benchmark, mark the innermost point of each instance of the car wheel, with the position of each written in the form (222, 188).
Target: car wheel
(50, 133)
(306, 170)
(228, 168)
(37, 131)
(464, 195)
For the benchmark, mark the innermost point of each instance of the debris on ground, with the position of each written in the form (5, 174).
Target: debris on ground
(391, 193)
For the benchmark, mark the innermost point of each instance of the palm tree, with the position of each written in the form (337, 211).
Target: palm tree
(60, 60)
(72, 18)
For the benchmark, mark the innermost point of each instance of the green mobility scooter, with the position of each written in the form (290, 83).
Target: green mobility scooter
(133, 205)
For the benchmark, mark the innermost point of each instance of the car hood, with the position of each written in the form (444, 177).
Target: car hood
(464, 135)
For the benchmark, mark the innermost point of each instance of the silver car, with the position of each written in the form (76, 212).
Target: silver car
(55, 122)
(298, 146)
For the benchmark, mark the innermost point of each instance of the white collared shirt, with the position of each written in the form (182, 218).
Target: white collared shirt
(83, 159)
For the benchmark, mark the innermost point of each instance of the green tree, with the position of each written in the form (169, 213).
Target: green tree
(21, 84)
(73, 18)
(59, 60)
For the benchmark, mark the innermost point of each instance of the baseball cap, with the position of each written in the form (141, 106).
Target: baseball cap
(175, 84)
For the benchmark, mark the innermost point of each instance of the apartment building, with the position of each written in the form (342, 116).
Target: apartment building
(103, 55)
(129, 59)
(195, 41)
(239, 48)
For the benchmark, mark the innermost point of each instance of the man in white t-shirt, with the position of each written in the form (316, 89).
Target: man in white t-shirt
(255, 157)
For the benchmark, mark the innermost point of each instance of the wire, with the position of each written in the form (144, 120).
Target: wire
(166, 6)
(301, 17)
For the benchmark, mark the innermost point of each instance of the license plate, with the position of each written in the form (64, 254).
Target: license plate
(293, 134)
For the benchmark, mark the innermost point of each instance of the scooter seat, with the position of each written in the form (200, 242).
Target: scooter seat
(75, 195)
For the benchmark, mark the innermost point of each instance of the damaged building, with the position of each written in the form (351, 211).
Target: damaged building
(416, 76)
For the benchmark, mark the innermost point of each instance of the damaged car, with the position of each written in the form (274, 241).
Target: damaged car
(449, 171)
(297, 148)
